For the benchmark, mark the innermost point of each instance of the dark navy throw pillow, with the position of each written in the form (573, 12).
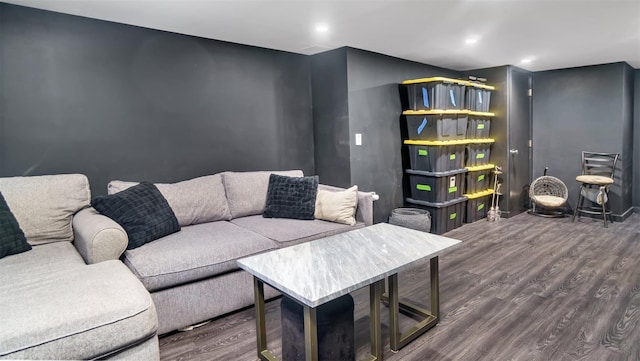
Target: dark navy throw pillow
(291, 197)
(142, 211)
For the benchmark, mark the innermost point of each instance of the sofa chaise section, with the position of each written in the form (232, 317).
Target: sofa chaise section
(62, 302)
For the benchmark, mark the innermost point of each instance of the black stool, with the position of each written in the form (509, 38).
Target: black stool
(335, 330)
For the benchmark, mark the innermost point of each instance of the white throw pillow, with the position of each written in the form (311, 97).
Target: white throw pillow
(337, 206)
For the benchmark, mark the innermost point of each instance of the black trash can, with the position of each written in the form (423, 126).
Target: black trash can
(336, 337)
(414, 218)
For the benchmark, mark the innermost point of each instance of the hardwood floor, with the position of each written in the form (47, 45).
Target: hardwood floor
(524, 288)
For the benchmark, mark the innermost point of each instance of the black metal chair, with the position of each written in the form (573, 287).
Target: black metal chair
(597, 176)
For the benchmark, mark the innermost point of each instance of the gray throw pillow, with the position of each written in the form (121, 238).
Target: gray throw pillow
(142, 211)
(291, 197)
(193, 201)
(247, 191)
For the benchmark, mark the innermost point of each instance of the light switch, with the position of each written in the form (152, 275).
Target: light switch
(358, 139)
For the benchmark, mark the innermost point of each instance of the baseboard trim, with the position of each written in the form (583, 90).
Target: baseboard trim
(625, 215)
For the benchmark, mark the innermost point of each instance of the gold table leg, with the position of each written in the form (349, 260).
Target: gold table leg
(375, 320)
(261, 330)
(310, 334)
(397, 339)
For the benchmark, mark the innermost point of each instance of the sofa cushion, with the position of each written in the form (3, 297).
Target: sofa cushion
(287, 232)
(337, 206)
(43, 259)
(196, 252)
(193, 201)
(57, 307)
(12, 239)
(291, 197)
(142, 211)
(44, 205)
(247, 191)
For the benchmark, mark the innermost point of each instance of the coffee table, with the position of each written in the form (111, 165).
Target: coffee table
(319, 271)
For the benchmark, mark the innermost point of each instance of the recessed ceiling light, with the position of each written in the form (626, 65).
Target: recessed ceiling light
(322, 28)
(471, 40)
(526, 60)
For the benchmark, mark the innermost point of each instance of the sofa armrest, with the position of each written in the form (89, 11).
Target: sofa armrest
(364, 211)
(98, 238)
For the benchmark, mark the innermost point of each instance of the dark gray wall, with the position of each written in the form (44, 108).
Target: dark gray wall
(498, 77)
(586, 108)
(331, 117)
(375, 112)
(510, 127)
(636, 140)
(628, 97)
(120, 102)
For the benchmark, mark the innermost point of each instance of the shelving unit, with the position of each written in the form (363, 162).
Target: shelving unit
(449, 144)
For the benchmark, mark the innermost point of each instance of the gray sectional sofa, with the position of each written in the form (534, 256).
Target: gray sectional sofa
(192, 274)
(80, 294)
(70, 297)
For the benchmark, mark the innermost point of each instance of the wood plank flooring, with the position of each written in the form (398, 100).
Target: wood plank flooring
(523, 288)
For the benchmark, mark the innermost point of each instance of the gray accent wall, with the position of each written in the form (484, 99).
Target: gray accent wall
(356, 91)
(375, 112)
(510, 127)
(586, 108)
(331, 117)
(113, 101)
(636, 140)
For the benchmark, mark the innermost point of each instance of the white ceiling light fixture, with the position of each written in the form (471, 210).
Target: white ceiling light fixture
(322, 28)
(471, 40)
(527, 60)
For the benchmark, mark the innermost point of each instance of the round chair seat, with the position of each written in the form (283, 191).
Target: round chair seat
(594, 179)
(549, 201)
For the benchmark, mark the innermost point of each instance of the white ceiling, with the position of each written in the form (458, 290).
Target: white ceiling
(555, 33)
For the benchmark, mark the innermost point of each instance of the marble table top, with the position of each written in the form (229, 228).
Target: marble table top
(319, 271)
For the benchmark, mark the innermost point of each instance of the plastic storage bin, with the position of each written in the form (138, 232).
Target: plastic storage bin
(478, 179)
(477, 154)
(435, 156)
(435, 93)
(445, 216)
(436, 187)
(477, 205)
(437, 126)
(477, 98)
(478, 127)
